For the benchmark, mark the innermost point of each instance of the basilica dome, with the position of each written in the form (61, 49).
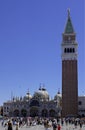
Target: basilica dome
(28, 96)
(41, 94)
(58, 96)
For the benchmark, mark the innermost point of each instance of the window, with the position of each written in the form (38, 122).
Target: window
(34, 103)
(80, 103)
(68, 50)
(73, 50)
(65, 50)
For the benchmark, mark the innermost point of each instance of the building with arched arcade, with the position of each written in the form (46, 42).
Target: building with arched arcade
(39, 104)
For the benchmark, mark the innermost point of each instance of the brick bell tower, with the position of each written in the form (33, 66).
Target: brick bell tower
(69, 71)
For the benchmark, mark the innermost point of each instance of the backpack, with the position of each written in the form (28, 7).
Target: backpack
(54, 125)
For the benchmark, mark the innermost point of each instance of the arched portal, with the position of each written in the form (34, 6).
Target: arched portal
(34, 111)
(52, 113)
(34, 103)
(44, 113)
(24, 112)
(16, 113)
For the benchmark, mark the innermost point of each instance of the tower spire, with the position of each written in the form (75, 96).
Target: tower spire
(69, 27)
(68, 12)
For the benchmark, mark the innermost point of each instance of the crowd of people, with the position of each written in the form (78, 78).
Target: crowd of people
(48, 123)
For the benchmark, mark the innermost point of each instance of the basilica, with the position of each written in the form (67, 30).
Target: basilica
(39, 105)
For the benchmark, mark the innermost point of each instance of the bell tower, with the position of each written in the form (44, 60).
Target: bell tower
(69, 70)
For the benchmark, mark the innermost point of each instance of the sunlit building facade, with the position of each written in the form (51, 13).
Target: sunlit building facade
(81, 106)
(39, 104)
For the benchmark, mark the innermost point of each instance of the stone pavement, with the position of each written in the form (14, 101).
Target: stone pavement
(41, 127)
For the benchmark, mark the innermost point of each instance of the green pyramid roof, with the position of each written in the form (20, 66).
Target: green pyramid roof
(69, 27)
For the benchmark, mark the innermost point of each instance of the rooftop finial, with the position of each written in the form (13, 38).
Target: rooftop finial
(40, 87)
(58, 90)
(68, 12)
(28, 91)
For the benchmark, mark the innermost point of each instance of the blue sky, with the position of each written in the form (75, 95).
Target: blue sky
(30, 45)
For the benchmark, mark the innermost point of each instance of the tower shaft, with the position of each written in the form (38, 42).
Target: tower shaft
(69, 88)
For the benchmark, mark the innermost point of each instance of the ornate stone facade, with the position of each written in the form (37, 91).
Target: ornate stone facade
(39, 104)
(81, 106)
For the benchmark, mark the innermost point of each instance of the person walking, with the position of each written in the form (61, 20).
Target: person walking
(16, 126)
(54, 126)
(9, 125)
(80, 125)
(47, 125)
(59, 127)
